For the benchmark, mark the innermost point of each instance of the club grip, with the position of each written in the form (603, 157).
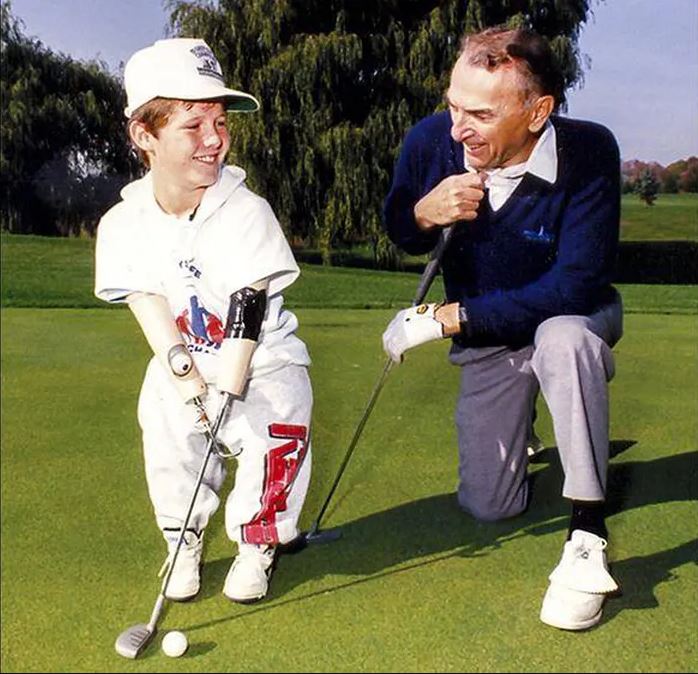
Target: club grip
(432, 268)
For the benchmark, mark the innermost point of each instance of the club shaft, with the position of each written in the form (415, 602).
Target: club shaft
(425, 281)
(432, 268)
(160, 602)
(157, 611)
(354, 440)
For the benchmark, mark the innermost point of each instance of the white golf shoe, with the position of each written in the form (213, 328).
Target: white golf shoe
(185, 581)
(248, 578)
(578, 584)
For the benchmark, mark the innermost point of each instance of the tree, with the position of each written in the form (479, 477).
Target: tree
(340, 82)
(688, 179)
(647, 186)
(670, 182)
(63, 152)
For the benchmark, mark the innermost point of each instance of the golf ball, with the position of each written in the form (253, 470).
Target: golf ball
(175, 644)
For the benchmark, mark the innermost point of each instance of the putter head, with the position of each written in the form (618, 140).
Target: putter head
(133, 640)
(302, 541)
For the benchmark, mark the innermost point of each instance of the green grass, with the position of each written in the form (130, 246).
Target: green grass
(413, 585)
(671, 217)
(45, 272)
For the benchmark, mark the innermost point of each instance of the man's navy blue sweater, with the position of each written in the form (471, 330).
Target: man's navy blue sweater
(548, 251)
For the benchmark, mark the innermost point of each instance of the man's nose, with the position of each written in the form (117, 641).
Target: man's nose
(461, 129)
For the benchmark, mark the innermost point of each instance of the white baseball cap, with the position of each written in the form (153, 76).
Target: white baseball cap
(181, 68)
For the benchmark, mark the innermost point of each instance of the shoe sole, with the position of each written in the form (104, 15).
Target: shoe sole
(183, 599)
(574, 627)
(251, 600)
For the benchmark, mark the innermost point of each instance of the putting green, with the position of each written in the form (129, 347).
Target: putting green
(414, 585)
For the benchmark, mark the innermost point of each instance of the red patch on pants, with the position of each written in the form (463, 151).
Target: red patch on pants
(282, 464)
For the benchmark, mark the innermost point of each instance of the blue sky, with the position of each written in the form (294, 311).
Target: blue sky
(642, 84)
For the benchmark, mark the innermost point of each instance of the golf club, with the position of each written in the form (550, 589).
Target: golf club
(131, 642)
(205, 424)
(314, 534)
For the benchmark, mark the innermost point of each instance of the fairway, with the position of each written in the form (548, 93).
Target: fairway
(672, 217)
(413, 585)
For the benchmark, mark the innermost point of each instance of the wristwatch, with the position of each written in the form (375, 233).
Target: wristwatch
(463, 319)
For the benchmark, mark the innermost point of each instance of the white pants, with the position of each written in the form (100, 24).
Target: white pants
(271, 423)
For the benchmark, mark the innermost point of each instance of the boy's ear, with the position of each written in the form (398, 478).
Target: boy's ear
(141, 137)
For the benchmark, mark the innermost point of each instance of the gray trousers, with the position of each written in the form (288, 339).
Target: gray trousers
(571, 363)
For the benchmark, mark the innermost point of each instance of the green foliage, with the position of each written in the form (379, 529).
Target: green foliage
(679, 176)
(682, 176)
(340, 83)
(647, 187)
(63, 154)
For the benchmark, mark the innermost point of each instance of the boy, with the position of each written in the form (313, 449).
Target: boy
(202, 261)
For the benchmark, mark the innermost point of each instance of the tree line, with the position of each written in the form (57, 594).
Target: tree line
(340, 83)
(679, 176)
(63, 155)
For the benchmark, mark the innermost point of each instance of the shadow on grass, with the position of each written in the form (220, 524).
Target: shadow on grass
(427, 531)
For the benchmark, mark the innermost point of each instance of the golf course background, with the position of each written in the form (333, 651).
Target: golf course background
(413, 585)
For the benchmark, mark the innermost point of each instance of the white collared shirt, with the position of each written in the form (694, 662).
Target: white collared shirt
(542, 162)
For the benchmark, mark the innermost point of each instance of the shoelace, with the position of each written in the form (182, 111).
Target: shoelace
(165, 565)
(583, 550)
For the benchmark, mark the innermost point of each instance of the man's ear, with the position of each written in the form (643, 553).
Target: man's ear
(140, 136)
(542, 109)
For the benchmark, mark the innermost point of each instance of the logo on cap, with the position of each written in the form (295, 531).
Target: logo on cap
(208, 63)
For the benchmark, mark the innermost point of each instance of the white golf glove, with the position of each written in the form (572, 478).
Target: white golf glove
(411, 327)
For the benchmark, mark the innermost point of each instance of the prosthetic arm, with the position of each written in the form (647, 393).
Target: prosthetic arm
(155, 318)
(244, 323)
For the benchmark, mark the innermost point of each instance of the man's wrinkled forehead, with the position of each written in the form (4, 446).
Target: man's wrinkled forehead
(484, 88)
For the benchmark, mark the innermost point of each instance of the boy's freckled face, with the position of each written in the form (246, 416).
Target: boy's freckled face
(190, 149)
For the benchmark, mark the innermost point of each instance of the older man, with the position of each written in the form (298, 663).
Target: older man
(534, 199)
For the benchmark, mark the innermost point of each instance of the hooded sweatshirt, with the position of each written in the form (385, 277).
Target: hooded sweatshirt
(232, 240)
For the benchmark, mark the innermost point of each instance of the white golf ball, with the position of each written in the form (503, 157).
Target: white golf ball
(175, 644)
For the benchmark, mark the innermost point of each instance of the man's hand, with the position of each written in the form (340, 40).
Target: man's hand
(454, 198)
(409, 328)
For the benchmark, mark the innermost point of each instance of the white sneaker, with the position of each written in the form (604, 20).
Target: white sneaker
(578, 584)
(185, 580)
(248, 578)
